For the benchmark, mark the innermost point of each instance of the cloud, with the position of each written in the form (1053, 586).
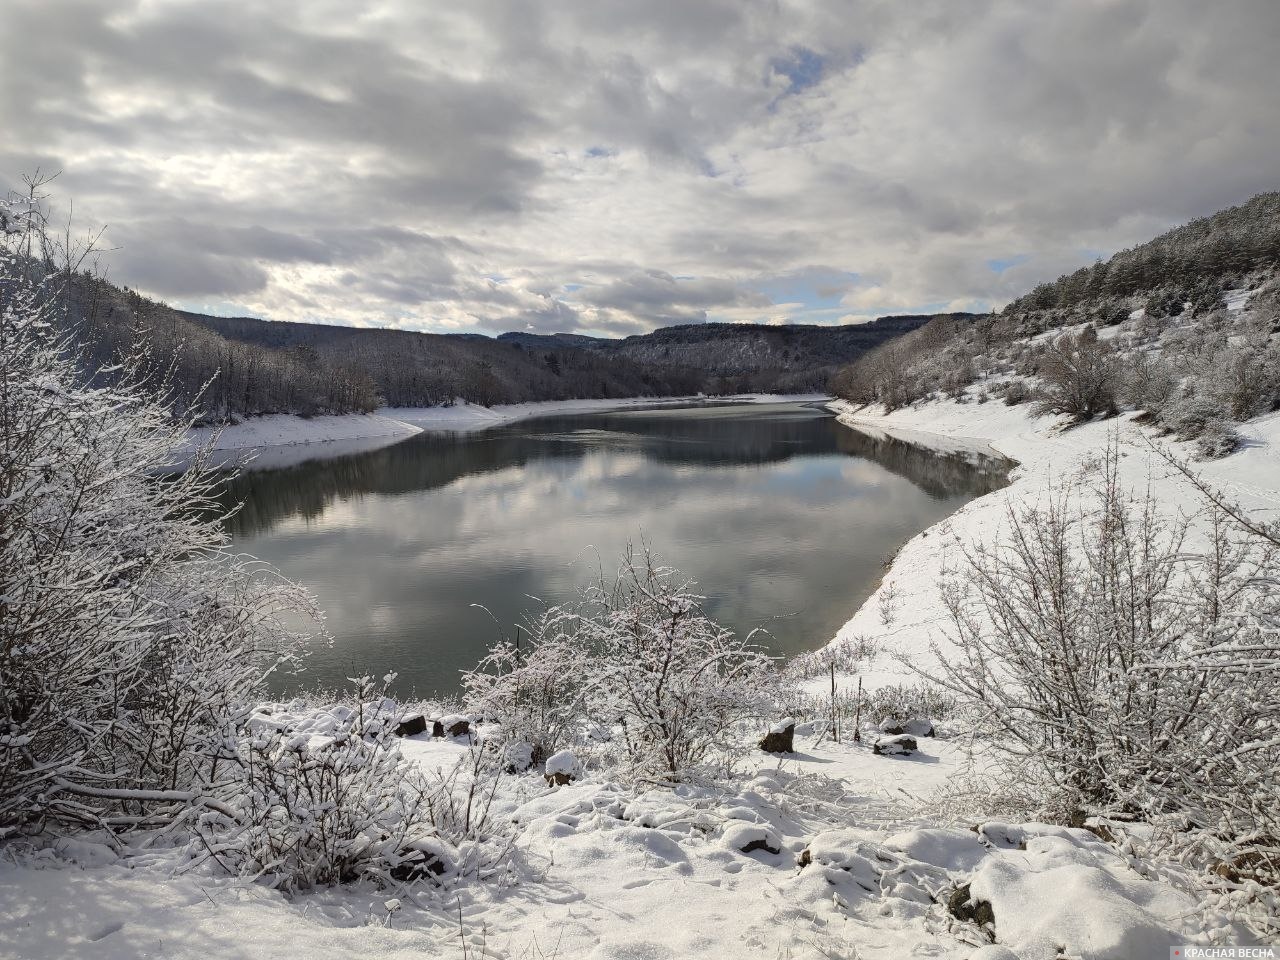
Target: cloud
(608, 166)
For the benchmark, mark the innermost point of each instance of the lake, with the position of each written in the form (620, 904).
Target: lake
(784, 516)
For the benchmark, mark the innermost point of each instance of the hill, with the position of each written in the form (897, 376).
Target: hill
(1183, 328)
(234, 367)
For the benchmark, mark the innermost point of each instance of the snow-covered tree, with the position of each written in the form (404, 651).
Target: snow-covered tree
(130, 638)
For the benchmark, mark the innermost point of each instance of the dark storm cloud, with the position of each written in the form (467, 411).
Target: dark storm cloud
(503, 165)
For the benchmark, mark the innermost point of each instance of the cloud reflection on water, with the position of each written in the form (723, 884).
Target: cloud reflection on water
(777, 512)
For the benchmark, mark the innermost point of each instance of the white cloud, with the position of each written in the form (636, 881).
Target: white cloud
(624, 165)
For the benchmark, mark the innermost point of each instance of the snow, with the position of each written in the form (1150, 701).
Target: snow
(563, 762)
(1236, 299)
(1044, 452)
(604, 871)
(1064, 895)
(740, 834)
(865, 864)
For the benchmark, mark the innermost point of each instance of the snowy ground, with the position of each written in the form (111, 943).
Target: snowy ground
(604, 873)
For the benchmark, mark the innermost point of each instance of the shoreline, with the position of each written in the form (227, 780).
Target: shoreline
(1044, 454)
(392, 424)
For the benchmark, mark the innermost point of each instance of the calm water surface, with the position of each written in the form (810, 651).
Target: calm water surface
(782, 514)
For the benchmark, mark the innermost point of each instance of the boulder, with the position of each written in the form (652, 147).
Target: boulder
(437, 728)
(899, 746)
(750, 837)
(456, 725)
(914, 727)
(561, 769)
(428, 856)
(411, 725)
(962, 906)
(781, 737)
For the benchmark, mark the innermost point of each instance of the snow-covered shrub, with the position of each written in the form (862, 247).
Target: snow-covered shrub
(848, 656)
(1060, 628)
(649, 662)
(537, 691)
(1188, 416)
(1246, 377)
(1216, 440)
(128, 635)
(1215, 790)
(339, 802)
(1016, 392)
(677, 682)
(1079, 377)
(903, 701)
(1148, 383)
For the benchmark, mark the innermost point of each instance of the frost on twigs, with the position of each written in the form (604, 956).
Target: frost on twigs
(130, 637)
(337, 802)
(638, 656)
(1122, 661)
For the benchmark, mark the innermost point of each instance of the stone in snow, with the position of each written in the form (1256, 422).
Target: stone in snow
(411, 725)
(914, 727)
(781, 737)
(901, 745)
(749, 837)
(561, 768)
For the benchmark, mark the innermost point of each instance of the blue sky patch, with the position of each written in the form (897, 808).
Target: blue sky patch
(803, 68)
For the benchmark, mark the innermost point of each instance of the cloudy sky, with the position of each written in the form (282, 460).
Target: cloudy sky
(613, 165)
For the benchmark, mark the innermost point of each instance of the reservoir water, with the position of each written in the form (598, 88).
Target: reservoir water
(784, 516)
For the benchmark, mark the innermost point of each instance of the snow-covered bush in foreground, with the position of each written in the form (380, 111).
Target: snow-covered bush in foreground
(538, 692)
(128, 636)
(333, 801)
(1125, 663)
(638, 655)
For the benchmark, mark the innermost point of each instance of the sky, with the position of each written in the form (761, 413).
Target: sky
(612, 166)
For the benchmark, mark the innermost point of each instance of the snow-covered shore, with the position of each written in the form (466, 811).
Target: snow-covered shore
(392, 424)
(1045, 453)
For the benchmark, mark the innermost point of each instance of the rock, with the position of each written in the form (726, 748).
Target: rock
(899, 746)
(781, 737)
(749, 837)
(411, 725)
(518, 756)
(428, 856)
(962, 906)
(561, 769)
(437, 728)
(915, 727)
(456, 725)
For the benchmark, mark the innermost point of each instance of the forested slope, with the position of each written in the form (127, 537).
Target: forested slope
(234, 367)
(1183, 328)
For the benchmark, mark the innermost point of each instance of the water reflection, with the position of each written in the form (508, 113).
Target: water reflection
(777, 511)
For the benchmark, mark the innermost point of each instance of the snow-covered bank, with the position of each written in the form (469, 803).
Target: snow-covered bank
(604, 872)
(392, 424)
(1046, 453)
